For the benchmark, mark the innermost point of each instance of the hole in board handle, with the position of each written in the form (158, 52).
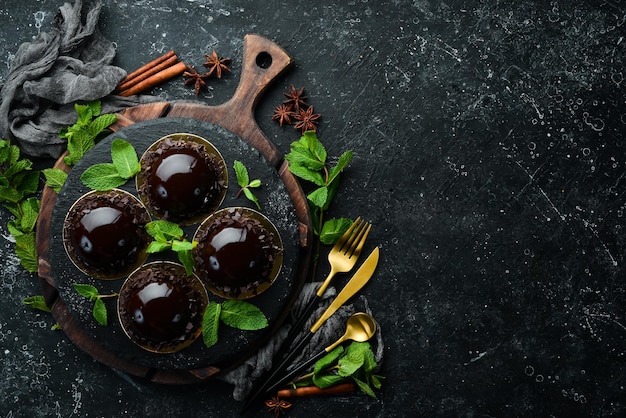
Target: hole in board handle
(264, 60)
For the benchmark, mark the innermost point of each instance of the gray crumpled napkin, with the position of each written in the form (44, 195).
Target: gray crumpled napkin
(244, 376)
(68, 64)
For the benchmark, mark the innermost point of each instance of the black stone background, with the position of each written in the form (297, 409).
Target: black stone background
(488, 139)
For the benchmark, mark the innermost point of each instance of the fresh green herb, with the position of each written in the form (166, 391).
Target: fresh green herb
(55, 178)
(17, 183)
(36, 302)
(356, 363)
(308, 160)
(243, 179)
(333, 229)
(99, 309)
(83, 135)
(169, 236)
(106, 176)
(234, 313)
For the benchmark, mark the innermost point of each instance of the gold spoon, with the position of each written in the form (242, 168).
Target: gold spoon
(360, 327)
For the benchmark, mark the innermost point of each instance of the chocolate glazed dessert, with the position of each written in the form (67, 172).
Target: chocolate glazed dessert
(183, 178)
(104, 233)
(160, 308)
(239, 253)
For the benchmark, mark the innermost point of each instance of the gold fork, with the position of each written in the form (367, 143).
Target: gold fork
(343, 255)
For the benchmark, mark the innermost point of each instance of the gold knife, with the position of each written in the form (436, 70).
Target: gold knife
(356, 283)
(362, 276)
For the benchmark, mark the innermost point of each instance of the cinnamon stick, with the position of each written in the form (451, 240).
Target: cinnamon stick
(155, 79)
(128, 83)
(302, 392)
(148, 66)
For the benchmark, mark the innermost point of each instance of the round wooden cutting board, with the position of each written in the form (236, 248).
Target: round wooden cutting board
(232, 129)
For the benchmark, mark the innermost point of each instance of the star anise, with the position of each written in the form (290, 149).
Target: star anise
(196, 79)
(216, 64)
(307, 120)
(295, 97)
(283, 114)
(277, 406)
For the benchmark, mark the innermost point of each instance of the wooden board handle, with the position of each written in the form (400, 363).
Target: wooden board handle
(263, 61)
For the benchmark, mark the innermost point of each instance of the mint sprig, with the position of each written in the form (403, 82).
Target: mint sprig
(89, 127)
(237, 314)
(169, 236)
(308, 160)
(354, 363)
(18, 182)
(106, 176)
(243, 179)
(99, 308)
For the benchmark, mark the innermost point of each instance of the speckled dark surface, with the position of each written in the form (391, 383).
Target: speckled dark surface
(488, 140)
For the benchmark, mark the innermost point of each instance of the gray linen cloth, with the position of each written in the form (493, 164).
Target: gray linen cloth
(68, 64)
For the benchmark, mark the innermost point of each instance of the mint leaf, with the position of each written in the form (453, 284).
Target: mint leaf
(30, 213)
(55, 178)
(10, 194)
(332, 190)
(182, 246)
(300, 155)
(210, 323)
(328, 360)
(86, 290)
(377, 381)
(158, 247)
(186, 259)
(100, 312)
(333, 229)
(315, 146)
(351, 361)
(36, 302)
(100, 123)
(102, 177)
(252, 197)
(242, 315)
(255, 183)
(124, 158)
(365, 388)
(78, 144)
(26, 251)
(369, 361)
(94, 106)
(242, 173)
(343, 162)
(5, 147)
(327, 380)
(307, 174)
(319, 196)
(27, 182)
(164, 230)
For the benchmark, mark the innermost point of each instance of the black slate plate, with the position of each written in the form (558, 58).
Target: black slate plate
(275, 204)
